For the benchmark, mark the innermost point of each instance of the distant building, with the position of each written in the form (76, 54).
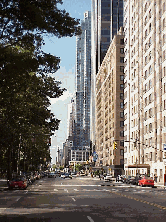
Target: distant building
(81, 142)
(109, 107)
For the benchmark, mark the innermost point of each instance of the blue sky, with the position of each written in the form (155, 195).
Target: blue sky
(65, 48)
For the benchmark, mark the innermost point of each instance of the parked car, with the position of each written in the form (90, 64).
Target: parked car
(124, 178)
(146, 181)
(136, 180)
(57, 173)
(52, 175)
(19, 182)
(129, 179)
(66, 175)
(119, 178)
(108, 177)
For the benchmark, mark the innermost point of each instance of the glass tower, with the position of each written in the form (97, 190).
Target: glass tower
(83, 86)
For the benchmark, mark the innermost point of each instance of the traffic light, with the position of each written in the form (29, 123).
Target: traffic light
(115, 145)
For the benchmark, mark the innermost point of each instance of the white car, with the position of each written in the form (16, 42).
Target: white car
(108, 177)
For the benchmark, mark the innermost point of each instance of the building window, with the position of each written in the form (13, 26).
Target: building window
(121, 162)
(121, 105)
(121, 59)
(164, 71)
(146, 74)
(122, 69)
(150, 69)
(150, 112)
(150, 27)
(121, 114)
(121, 152)
(122, 50)
(163, 23)
(121, 77)
(150, 98)
(164, 87)
(164, 121)
(150, 127)
(121, 143)
(122, 41)
(121, 96)
(150, 84)
(150, 41)
(164, 104)
(150, 55)
(121, 86)
(122, 133)
(164, 54)
(150, 14)
(163, 39)
(121, 123)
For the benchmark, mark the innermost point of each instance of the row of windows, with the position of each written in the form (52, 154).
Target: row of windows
(148, 114)
(148, 86)
(148, 100)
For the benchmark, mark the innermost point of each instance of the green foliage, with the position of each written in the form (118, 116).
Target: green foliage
(26, 83)
(78, 167)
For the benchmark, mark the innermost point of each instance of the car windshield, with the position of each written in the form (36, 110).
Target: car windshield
(18, 179)
(148, 178)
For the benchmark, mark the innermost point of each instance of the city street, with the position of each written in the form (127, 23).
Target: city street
(82, 199)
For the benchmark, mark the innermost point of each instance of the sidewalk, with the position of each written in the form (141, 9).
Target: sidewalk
(3, 184)
(159, 184)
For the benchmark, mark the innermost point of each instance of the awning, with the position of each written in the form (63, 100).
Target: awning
(139, 166)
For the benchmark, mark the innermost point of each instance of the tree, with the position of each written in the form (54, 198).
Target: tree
(25, 81)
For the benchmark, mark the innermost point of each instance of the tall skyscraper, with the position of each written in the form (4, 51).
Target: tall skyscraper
(83, 91)
(107, 18)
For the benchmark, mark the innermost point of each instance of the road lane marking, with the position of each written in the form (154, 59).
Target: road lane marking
(76, 185)
(140, 200)
(90, 219)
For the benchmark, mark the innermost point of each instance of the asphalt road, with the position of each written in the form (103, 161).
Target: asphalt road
(82, 199)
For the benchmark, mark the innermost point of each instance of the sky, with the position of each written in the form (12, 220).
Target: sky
(65, 48)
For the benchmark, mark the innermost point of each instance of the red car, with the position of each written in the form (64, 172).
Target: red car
(18, 182)
(146, 181)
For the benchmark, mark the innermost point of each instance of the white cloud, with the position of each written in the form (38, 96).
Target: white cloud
(66, 96)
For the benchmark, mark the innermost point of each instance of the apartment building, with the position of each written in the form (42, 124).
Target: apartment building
(109, 108)
(107, 18)
(145, 92)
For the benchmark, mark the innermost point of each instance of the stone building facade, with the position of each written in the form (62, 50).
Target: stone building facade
(109, 107)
